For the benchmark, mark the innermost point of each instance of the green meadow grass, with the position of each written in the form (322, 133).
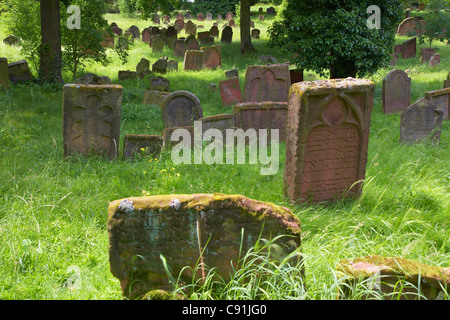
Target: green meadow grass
(53, 234)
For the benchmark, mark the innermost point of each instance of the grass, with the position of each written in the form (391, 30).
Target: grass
(53, 235)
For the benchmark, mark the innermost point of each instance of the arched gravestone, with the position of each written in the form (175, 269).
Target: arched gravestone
(327, 139)
(227, 35)
(180, 108)
(214, 31)
(135, 32)
(267, 83)
(421, 121)
(215, 230)
(396, 94)
(212, 58)
(410, 26)
(180, 22)
(208, 16)
(146, 34)
(91, 119)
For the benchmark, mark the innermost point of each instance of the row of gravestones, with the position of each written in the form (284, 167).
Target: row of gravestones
(408, 50)
(413, 26)
(421, 120)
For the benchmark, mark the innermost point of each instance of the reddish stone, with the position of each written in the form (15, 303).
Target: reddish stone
(255, 33)
(117, 30)
(441, 100)
(327, 139)
(200, 17)
(212, 58)
(193, 60)
(435, 60)
(180, 22)
(230, 91)
(146, 35)
(409, 26)
(267, 83)
(396, 95)
(426, 54)
(179, 48)
(296, 75)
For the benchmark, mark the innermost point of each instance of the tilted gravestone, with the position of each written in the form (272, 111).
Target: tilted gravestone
(441, 100)
(180, 108)
(327, 139)
(19, 72)
(267, 83)
(193, 60)
(159, 83)
(4, 76)
(212, 58)
(142, 144)
(421, 121)
(271, 11)
(91, 119)
(143, 65)
(396, 91)
(213, 230)
(230, 91)
(232, 73)
(117, 30)
(227, 35)
(160, 66)
(262, 115)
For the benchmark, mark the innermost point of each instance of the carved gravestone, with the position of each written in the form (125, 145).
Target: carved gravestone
(267, 83)
(160, 66)
(409, 48)
(91, 78)
(91, 119)
(19, 72)
(155, 31)
(146, 35)
(262, 115)
(179, 47)
(159, 83)
(230, 91)
(441, 100)
(212, 58)
(227, 35)
(421, 121)
(191, 29)
(193, 60)
(4, 76)
(327, 139)
(215, 230)
(396, 95)
(255, 33)
(214, 31)
(180, 108)
(142, 144)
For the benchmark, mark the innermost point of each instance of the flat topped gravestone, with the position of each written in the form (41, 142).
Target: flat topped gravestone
(396, 91)
(4, 76)
(212, 229)
(91, 119)
(421, 121)
(142, 144)
(180, 108)
(327, 139)
(441, 100)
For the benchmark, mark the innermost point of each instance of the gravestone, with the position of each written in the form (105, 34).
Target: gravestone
(127, 75)
(296, 75)
(180, 16)
(91, 119)
(212, 58)
(180, 23)
(230, 91)
(166, 18)
(214, 229)
(19, 72)
(421, 121)
(447, 82)
(261, 17)
(229, 16)
(409, 48)
(135, 32)
(219, 17)
(143, 65)
(172, 65)
(155, 31)
(214, 31)
(157, 44)
(156, 19)
(220, 122)
(426, 54)
(171, 32)
(191, 29)
(179, 47)
(409, 26)
(209, 16)
(160, 66)
(108, 40)
(255, 33)
(193, 60)
(267, 83)
(441, 100)
(146, 35)
(167, 134)
(435, 60)
(271, 11)
(142, 144)
(200, 17)
(396, 91)
(207, 40)
(327, 139)
(262, 115)
(191, 43)
(4, 76)
(232, 23)
(180, 108)
(11, 40)
(227, 35)
(232, 73)
(154, 97)
(159, 83)
(91, 78)
(117, 30)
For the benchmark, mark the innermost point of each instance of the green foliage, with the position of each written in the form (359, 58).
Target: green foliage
(215, 6)
(437, 22)
(330, 33)
(128, 7)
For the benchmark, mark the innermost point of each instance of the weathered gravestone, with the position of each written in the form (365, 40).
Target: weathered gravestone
(221, 122)
(213, 229)
(143, 65)
(232, 23)
(421, 121)
(255, 33)
(117, 30)
(296, 75)
(180, 23)
(193, 60)
(158, 44)
(19, 72)
(227, 35)
(396, 95)
(11, 40)
(200, 17)
(136, 33)
(262, 115)
(232, 73)
(441, 100)
(171, 138)
(146, 35)
(179, 47)
(214, 31)
(435, 60)
(230, 91)
(108, 40)
(154, 97)
(160, 66)
(426, 54)
(327, 139)
(191, 43)
(208, 16)
(267, 83)
(229, 16)
(180, 108)
(127, 75)
(409, 26)
(271, 11)
(447, 82)
(261, 17)
(91, 119)
(409, 48)
(393, 278)
(190, 28)
(212, 58)
(91, 78)
(172, 65)
(142, 144)
(4, 76)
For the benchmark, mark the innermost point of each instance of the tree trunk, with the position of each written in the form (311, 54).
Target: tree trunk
(246, 40)
(50, 59)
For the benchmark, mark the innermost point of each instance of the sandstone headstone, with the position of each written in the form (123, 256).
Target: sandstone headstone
(409, 48)
(171, 32)
(441, 100)
(154, 97)
(159, 83)
(232, 73)
(426, 54)
(160, 66)
(227, 35)
(180, 108)
(158, 44)
(327, 139)
(267, 83)
(91, 119)
(193, 60)
(191, 29)
(262, 115)
(155, 31)
(144, 64)
(393, 278)
(214, 31)
(230, 91)
(232, 23)
(180, 16)
(214, 229)
(261, 17)
(91, 78)
(4, 76)
(180, 22)
(179, 47)
(421, 121)
(255, 33)
(19, 72)
(409, 26)
(208, 16)
(146, 35)
(156, 19)
(167, 135)
(219, 17)
(229, 16)
(191, 43)
(117, 30)
(396, 91)
(127, 75)
(200, 17)
(108, 40)
(142, 144)
(212, 58)
(220, 122)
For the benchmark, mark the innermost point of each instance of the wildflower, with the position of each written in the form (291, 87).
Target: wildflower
(178, 174)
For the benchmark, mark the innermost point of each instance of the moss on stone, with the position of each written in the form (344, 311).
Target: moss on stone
(157, 295)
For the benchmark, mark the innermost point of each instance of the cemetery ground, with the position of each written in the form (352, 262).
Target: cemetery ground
(53, 213)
